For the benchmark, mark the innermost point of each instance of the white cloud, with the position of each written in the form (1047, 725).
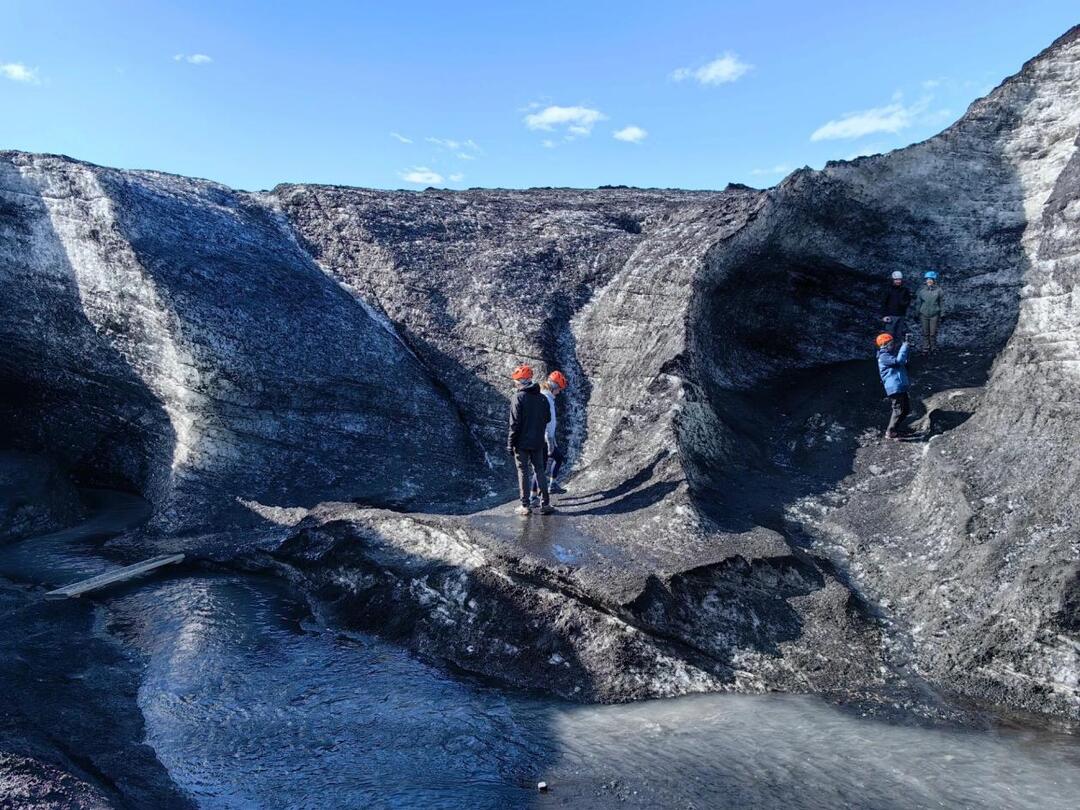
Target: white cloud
(193, 58)
(547, 143)
(457, 178)
(444, 142)
(18, 72)
(779, 168)
(466, 156)
(455, 146)
(631, 134)
(399, 137)
(722, 70)
(578, 121)
(421, 175)
(891, 118)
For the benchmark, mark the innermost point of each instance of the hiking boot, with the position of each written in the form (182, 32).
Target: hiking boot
(547, 509)
(524, 510)
(891, 434)
(555, 489)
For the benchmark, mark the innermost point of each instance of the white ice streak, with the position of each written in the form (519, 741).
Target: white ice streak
(150, 343)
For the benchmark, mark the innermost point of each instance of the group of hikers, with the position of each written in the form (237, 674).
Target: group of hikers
(532, 440)
(533, 417)
(893, 343)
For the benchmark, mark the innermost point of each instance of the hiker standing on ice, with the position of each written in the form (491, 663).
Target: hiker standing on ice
(895, 305)
(529, 416)
(554, 385)
(894, 376)
(929, 304)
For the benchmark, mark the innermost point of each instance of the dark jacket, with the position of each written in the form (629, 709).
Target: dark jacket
(529, 415)
(897, 300)
(893, 369)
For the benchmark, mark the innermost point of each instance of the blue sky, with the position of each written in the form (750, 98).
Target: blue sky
(407, 94)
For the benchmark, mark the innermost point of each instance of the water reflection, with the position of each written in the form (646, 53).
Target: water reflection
(274, 711)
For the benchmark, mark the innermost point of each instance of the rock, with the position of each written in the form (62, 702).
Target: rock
(242, 358)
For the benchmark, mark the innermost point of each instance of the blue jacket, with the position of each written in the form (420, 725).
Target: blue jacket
(893, 369)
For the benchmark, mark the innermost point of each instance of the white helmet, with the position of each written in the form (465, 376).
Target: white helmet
(897, 275)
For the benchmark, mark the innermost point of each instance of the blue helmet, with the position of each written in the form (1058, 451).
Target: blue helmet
(930, 274)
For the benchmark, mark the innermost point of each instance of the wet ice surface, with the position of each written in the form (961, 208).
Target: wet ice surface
(69, 555)
(250, 705)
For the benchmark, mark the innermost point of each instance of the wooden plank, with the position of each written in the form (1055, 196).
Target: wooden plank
(112, 577)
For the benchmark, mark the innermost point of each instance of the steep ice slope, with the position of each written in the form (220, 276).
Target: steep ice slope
(974, 546)
(478, 281)
(169, 335)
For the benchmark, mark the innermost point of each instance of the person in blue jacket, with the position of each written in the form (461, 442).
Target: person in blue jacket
(894, 376)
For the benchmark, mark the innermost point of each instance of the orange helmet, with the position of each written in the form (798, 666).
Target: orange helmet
(558, 378)
(884, 339)
(522, 373)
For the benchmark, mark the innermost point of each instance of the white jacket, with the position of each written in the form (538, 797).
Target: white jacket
(549, 436)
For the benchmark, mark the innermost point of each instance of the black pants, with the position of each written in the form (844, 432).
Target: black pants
(555, 462)
(901, 407)
(530, 463)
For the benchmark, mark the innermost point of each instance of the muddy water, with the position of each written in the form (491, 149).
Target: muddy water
(249, 703)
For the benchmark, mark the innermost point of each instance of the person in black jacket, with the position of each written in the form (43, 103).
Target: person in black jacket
(529, 415)
(894, 307)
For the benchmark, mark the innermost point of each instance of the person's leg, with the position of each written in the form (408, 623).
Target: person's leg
(541, 476)
(535, 483)
(521, 459)
(905, 406)
(926, 341)
(934, 320)
(895, 414)
(555, 463)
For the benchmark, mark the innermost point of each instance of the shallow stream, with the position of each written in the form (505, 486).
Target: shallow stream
(250, 703)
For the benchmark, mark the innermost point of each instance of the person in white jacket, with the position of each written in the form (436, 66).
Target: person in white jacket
(554, 385)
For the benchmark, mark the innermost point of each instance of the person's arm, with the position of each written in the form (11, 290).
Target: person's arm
(901, 356)
(941, 302)
(549, 433)
(515, 422)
